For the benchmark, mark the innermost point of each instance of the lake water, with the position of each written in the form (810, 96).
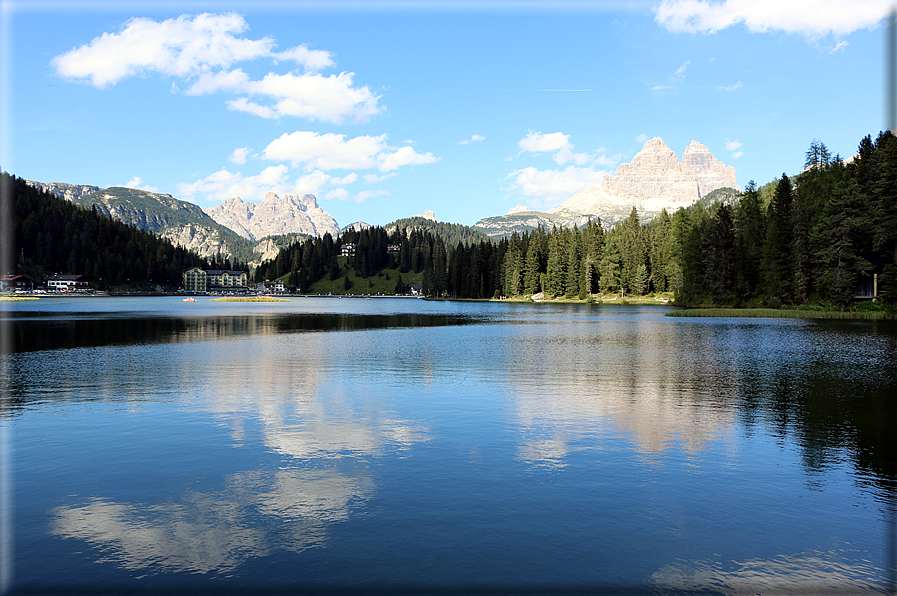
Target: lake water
(407, 446)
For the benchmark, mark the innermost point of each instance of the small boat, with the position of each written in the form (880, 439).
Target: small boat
(189, 299)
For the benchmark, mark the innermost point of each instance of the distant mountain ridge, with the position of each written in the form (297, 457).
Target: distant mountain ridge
(654, 180)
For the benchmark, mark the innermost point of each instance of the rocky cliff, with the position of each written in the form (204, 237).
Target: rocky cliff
(274, 216)
(69, 192)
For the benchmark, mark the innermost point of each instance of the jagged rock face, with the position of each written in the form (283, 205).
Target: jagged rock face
(266, 249)
(357, 226)
(203, 241)
(655, 179)
(274, 216)
(69, 192)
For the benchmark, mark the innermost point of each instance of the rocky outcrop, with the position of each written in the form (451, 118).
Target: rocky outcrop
(357, 226)
(69, 192)
(274, 216)
(654, 180)
(266, 249)
(204, 241)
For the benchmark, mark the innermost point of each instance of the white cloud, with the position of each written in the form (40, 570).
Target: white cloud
(472, 139)
(312, 182)
(310, 95)
(201, 49)
(642, 138)
(310, 59)
(340, 194)
(345, 180)
(730, 88)
(536, 142)
(184, 47)
(403, 156)
(239, 155)
(326, 151)
(213, 82)
(839, 46)
(737, 154)
(334, 151)
(552, 187)
(375, 179)
(811, 18)
(224, 184)
(732, 145)
(557, 142)
(679, 74)
(137, 182)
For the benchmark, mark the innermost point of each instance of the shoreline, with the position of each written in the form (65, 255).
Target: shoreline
(771, 313)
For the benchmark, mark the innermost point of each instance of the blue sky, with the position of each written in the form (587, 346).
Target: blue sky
(385, 109)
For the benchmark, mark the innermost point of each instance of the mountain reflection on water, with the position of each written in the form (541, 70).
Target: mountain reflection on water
(74, 330)
(456, 445)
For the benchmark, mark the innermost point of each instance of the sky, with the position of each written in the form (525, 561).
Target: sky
(384, 109)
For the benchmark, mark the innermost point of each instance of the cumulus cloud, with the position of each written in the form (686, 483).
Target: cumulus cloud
(225, 184)
(310, 95)
(183, 47)
(811, 18)
(472, 139)
(348, 179)
(546, 188)
(202, 49)
(556, 142)
(137, 182)
(550, 188)
(331, 151)
(239, 155)
(312, 182)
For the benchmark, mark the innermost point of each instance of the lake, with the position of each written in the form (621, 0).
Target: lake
(410, 446)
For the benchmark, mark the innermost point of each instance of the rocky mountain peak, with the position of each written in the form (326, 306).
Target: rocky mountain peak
(655, 179)
(274, 216)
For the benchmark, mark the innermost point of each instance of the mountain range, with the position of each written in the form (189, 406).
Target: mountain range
(654, 180)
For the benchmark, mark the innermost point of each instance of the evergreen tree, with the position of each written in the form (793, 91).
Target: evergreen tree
(777, 250)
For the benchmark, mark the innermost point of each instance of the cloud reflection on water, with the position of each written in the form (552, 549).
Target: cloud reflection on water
(216, 531)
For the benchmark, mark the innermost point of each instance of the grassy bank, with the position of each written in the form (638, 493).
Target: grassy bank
(17, 298)
(772, 313)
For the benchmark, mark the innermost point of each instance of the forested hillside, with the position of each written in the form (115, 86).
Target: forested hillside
(451, 233)
(52, 235)
(807, 239)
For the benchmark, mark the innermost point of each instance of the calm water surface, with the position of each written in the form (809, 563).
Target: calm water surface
(401, 445)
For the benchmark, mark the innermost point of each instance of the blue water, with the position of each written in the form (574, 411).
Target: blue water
(406, 445)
